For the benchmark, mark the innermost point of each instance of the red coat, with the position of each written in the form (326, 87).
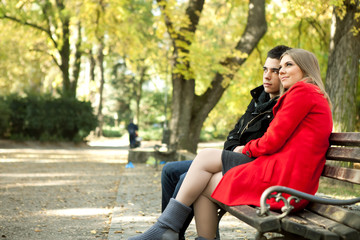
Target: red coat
(291, 153)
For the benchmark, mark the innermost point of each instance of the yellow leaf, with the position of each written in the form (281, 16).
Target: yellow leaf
(93, 231)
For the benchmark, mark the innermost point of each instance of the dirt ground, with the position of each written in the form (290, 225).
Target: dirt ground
(62, 191)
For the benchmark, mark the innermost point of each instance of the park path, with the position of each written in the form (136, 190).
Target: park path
(61, 191)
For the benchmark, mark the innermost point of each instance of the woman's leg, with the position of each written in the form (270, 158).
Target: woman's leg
(206, 163)
(206, 210)
(171, 179)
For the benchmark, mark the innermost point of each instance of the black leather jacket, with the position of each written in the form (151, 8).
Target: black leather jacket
(255, 121)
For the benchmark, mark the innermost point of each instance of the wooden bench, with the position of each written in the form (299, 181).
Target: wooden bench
(324, 218)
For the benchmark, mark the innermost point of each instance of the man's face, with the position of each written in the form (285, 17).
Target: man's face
(271, 79)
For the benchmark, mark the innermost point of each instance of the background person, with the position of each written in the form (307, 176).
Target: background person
(133, 133)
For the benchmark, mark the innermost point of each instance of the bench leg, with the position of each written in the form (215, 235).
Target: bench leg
(221, 213)
(260, 236)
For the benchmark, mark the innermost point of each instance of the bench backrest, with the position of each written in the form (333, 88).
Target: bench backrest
(344, 147)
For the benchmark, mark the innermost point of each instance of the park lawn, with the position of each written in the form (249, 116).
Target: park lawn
(339, 190)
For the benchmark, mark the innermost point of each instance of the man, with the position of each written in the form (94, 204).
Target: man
(251, 125)
(133, 133)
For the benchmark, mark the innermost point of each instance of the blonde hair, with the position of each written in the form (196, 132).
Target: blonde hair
(309, 66)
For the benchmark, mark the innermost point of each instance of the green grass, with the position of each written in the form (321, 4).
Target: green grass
(113, 131)
(151, 134)
(338, 189)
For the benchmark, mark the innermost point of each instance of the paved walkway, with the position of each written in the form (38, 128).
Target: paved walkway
(82, 192)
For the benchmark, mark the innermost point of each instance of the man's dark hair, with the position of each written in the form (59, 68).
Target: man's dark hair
(277, 51)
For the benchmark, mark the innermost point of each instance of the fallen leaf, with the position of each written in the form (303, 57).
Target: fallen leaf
(93, 231)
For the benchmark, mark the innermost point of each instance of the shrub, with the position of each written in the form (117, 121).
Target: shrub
(4, 117)
(47, 119)
(113, 131)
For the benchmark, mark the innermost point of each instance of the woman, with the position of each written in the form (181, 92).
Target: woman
(291, 153)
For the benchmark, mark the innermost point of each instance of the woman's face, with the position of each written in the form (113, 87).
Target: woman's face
(289, 73)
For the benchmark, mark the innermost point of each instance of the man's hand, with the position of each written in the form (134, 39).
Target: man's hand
(239, 149)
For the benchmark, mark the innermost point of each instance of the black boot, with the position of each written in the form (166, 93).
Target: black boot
(169, 223)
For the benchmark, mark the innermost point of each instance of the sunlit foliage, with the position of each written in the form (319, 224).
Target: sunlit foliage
(134, 35)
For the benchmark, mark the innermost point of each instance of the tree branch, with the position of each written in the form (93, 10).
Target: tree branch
(255, 29)
(44, 9)
(14, 19)
(33, 25)
(194, 12)
(168, 23)
(51, 55)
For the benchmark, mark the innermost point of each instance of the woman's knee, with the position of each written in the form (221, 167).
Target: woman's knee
(173, 170)
(208, 152)
(209, 158)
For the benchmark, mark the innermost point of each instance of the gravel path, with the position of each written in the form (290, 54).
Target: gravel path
(58, 192)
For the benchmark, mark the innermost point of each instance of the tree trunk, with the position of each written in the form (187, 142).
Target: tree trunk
(65, 58)
(189, 111)
(59, 35)
(100, 116)
(343, 67)
(77, 62)
(64, 49)
(139, 91)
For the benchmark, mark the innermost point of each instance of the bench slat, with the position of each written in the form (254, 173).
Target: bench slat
(339, 214)
(345, 139)
(347, 154)
(341, 173)
(248, 215)
(299, 226)
(345, 232)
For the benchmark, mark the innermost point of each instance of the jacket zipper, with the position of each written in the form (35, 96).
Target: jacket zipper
(247, 125)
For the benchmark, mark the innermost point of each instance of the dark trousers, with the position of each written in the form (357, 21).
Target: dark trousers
(172, 176)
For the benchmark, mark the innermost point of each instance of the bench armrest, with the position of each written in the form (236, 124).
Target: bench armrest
(297, 196)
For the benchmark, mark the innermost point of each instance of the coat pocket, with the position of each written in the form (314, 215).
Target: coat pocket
(269, 170)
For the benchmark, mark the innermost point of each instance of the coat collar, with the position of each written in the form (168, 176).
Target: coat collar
(259, 95)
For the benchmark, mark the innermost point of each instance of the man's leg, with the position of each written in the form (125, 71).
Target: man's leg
(173, 174)
(132, 140)
(170, 177)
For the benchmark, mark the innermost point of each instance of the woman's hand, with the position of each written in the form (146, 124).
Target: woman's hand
(239, 149)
